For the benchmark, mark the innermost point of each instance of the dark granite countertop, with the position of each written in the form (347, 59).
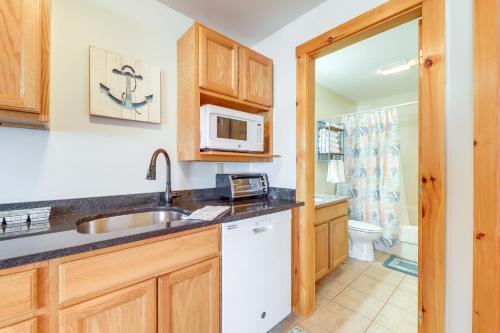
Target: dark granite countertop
(62, 239)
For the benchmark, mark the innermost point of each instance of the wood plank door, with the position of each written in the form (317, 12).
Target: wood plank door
(218, 62)
(188, 300)
(321, 242)
(20, 56)
(129, 310)
(256, 77)
(338, 241)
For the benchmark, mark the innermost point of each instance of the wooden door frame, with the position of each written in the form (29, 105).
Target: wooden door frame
(432, 148)
(486, 284)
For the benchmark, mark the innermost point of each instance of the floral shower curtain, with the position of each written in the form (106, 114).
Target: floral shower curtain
(372, 166)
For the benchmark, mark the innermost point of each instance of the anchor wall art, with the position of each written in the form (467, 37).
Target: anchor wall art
(124, 88)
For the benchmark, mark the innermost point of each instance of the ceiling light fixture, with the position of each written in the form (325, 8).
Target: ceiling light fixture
(398, 67)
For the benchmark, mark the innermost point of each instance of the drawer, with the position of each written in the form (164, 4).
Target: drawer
(18, 294)
(92, 276)
(328, 213)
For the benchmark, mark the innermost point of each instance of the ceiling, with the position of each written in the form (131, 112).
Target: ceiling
(352, 71)
(245, 21)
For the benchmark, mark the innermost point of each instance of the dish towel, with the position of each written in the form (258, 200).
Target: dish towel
(332, 175)
(336, 173)
(341, 171)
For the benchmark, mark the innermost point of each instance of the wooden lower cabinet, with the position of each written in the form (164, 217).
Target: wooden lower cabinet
(321, 250)
(28, 326)
(338, 242)
(188, 300)
(18, 293)
(131, 309)
(167, 284)
(331, 238)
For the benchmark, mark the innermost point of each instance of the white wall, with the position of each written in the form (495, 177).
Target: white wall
(281, 48)
(82, 157)
(459, 168)
(329, 104)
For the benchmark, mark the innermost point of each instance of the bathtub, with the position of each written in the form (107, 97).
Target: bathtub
(408, 245)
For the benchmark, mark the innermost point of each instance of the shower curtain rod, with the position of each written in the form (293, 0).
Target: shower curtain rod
(379, 109)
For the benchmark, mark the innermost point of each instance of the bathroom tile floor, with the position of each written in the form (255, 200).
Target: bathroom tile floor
(361, 297)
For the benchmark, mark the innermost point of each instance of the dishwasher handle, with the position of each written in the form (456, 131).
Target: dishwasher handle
(258, 230)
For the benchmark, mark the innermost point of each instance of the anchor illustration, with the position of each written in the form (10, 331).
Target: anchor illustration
(126, 99)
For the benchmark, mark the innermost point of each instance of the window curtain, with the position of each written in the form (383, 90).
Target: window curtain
(372, 166)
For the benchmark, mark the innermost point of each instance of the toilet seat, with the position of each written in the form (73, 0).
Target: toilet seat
(363, 226)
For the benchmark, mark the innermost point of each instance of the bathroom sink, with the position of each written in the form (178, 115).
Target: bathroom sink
(100, 224)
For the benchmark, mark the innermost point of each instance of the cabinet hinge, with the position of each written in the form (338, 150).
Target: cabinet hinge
(420, 317)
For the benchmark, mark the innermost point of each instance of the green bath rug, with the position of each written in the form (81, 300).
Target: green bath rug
(402, 265)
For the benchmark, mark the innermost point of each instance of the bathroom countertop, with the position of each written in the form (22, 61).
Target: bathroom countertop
(323, 200)
(62, 239)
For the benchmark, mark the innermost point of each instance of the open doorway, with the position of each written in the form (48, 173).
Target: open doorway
(431, 172)
(366, 184)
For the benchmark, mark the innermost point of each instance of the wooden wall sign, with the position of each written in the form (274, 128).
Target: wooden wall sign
(124, 88)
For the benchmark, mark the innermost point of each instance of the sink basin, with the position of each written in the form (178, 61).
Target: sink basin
(99, 225)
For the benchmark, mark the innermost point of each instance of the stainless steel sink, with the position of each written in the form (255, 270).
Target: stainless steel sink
(127, 221)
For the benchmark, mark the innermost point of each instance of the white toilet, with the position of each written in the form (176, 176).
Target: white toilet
(361, 237)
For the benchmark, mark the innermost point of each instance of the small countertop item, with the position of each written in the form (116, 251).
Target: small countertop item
(322, 200)
(208, 213)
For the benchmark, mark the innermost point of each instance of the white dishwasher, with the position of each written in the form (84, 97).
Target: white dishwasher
(256, 273)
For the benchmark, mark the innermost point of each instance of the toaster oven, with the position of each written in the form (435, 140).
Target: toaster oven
(234, 186)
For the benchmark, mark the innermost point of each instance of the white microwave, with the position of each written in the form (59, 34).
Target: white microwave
(231, 130)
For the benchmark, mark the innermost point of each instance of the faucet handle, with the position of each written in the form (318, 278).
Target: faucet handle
(171, 197)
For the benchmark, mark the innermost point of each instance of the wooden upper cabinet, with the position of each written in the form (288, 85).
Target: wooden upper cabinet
(210, 70)
(131, 309)
(188, 300)
(218, 62)
(24, 61)
(256, 77)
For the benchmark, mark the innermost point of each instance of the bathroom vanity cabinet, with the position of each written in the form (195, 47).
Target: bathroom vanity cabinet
(331, 237)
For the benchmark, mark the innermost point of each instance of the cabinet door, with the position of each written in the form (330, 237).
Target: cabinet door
(338, 241)
(188, 300)
(18, 293)
(218, 62)
(28, 326)
(256, 77)
(321, 250)
(131, 310)
(20, 56)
